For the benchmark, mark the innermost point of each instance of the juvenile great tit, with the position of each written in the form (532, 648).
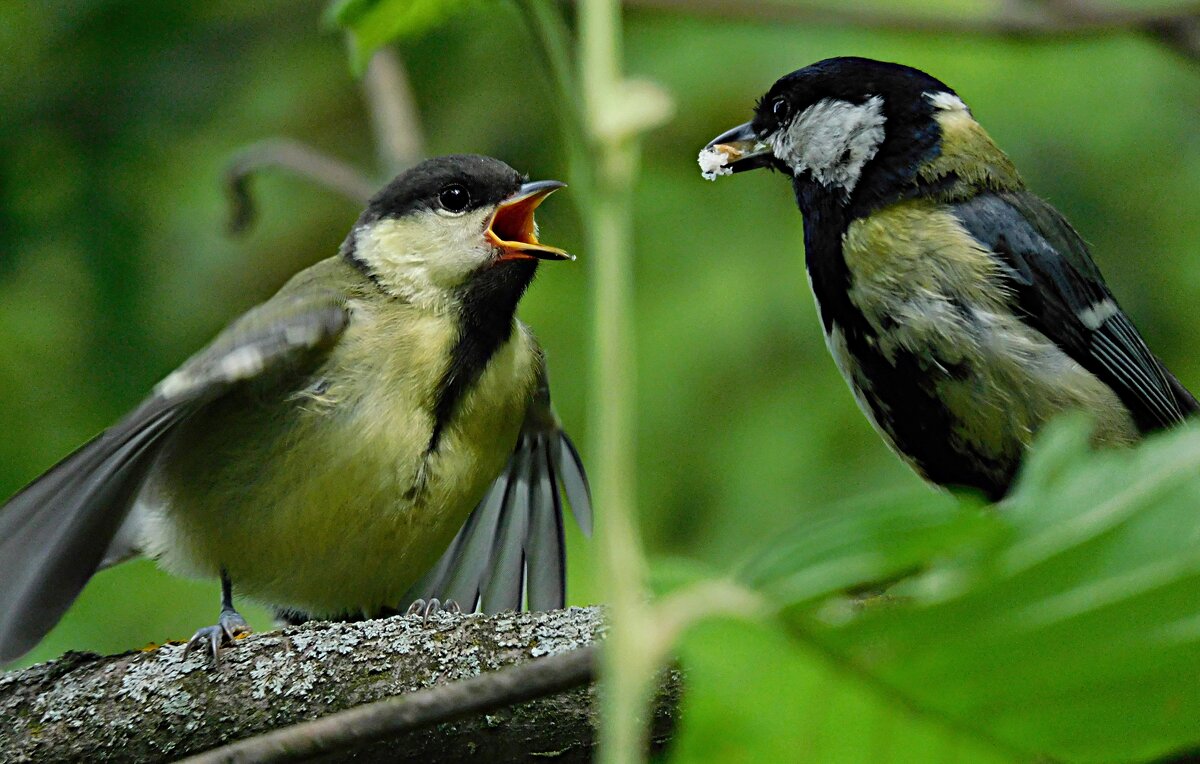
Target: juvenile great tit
(963, 311)
(320, 454)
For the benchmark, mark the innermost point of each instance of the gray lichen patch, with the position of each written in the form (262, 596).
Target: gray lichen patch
(556, 637)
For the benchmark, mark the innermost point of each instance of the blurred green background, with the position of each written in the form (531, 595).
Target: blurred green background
(118, 116)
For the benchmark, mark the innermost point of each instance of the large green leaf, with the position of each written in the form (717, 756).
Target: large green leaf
(867, 542)
(374, 23)
(1065, 624)
(754, 695)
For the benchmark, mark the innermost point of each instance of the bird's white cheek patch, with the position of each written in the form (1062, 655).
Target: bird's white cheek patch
(832, 139)
(425, 256)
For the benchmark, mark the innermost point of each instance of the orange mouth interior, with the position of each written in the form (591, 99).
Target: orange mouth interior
(514, 230)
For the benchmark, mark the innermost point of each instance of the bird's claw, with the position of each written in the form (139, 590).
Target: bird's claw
(426, 608)
(230, 626)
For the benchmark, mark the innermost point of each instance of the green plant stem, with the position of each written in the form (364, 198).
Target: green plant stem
(628, 664)
(603, 152)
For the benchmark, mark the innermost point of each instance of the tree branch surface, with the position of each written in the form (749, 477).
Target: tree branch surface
(352, 728)
(155, 705)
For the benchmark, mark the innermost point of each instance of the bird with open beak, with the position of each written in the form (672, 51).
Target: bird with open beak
(322, 453)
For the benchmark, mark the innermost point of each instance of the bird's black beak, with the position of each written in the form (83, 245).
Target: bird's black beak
(512, 228)
(733, 151)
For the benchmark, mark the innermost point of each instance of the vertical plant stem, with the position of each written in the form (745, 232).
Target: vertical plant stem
(603, 153)
(628, 667)
(553, 42)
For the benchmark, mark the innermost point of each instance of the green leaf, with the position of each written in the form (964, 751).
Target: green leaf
(671, 574)
(867, 542)
(1072, 631)
(754, 695)
(372, 24)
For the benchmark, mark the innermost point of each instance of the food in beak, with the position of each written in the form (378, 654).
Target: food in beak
(513, 229)
(733, 151)
(715, 160)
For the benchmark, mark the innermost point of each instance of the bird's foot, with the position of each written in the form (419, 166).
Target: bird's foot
(230, 626)
(426, 608)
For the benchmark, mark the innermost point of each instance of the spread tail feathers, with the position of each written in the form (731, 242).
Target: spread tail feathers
(511, 550)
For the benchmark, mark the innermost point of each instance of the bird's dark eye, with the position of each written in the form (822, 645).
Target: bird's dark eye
(779, 108)
(454, 198)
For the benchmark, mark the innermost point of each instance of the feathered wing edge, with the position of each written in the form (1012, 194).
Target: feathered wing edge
(511, 550)
(1060, 292)
(55, 532)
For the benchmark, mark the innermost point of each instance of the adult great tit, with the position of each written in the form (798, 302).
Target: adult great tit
(322, 451)
(963, 311)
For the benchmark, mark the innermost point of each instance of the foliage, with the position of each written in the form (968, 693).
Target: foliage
(757, 694)
(373, 23)
(1062, 622)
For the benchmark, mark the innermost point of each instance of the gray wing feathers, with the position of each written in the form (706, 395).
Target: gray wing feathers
(546, 549)
(569, 468)
(268, 339)
(469, 567)
(511, 551)
(55, 532)
(507, 582)
(127, 541)
(1060, 292)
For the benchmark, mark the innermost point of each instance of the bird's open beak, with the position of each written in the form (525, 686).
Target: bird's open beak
(513, 229)
(733, 151)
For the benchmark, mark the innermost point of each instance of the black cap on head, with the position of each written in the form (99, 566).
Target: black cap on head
(850, 79)
(485, 180)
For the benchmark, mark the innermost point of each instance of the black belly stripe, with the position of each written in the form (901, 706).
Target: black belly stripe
(905, 403)
(488, 303)
(900, 392)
